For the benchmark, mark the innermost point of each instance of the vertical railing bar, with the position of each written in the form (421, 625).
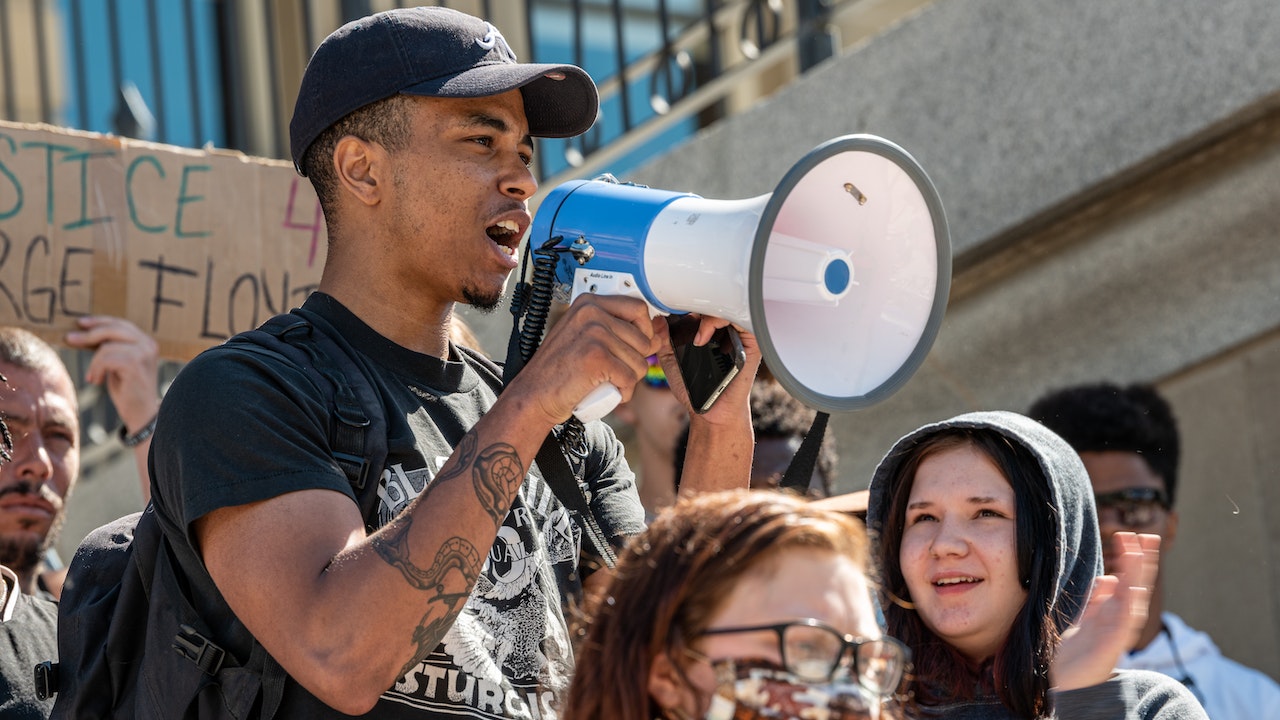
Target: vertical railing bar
(539, 167)
(664, 26)
(273, 79)
(113, 44)
(713, 37)
(622, 65)
(235, 114)
(579, 33)
(588, 139)
(157, 72)
(81, 80)
(193, 72)
(308, 31)
(42, 62)
(760, 26)
(6, 61)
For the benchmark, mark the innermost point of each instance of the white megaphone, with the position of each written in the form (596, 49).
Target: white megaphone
(842, 272)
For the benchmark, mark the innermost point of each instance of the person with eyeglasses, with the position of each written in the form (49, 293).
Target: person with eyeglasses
(991, 572)
(1127, 437)
(737, 605)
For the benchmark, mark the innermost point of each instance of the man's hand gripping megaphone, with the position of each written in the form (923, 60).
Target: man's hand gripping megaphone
(597, 351)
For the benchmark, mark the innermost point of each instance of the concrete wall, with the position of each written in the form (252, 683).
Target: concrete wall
(1224, 576)
(1110, 173)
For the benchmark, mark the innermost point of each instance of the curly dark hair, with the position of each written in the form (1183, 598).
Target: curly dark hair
(1105, 416)
(775, 413)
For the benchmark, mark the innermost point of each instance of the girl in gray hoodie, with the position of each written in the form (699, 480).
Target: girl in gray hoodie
(987, 540)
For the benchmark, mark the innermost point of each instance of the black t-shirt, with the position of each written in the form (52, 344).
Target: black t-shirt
(28, 635)
(237, 427)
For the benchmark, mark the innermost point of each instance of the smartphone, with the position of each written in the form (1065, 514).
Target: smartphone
(705, 369)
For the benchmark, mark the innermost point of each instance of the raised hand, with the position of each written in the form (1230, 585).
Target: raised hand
(125, 361)
(1114, 617)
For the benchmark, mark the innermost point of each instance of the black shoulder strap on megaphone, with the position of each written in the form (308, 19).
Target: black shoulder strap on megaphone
(530, 306)
(558, 474)
(800, 472)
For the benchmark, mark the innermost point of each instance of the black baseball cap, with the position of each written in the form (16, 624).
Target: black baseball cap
(436, 52)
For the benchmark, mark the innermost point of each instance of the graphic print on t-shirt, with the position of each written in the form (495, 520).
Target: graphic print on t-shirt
(508, 654)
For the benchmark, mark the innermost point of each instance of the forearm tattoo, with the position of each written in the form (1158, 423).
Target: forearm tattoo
(496, 473)
(465, 452)
(455, 554)
(450, 579)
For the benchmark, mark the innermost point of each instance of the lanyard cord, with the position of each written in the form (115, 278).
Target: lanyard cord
(1186, 678)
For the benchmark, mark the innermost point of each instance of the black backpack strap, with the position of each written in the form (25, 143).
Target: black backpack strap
(149, 543)
(358, 443)
(209, 676)
(358, 435)
(273, 680)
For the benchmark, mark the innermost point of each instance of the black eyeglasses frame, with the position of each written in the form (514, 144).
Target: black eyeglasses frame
(848, 643)
(1127, 502)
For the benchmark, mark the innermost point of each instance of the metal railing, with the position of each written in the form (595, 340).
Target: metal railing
(701, 54)
(222, 72)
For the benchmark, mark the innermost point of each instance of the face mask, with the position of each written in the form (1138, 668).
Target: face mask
(759, 690)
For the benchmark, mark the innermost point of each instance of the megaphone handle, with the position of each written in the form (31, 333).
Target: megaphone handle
(598, 403)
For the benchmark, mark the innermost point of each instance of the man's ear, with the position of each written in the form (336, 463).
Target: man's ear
(667, 686)
(360, 166)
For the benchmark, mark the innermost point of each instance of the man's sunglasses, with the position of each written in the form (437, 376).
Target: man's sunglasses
(1133, 507)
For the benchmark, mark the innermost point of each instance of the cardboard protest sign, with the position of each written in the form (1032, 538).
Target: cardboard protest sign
(193, 246)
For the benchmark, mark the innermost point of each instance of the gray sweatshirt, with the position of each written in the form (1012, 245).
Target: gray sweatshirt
(1128, 694)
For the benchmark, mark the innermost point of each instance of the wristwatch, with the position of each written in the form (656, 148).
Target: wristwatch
(143, 433)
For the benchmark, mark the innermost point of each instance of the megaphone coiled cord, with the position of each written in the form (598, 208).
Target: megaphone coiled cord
(535, 298)
(538, 307)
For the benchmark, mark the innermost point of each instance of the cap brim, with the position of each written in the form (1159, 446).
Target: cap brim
(559, 100)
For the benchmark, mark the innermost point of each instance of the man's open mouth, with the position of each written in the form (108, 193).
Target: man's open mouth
(506, 234)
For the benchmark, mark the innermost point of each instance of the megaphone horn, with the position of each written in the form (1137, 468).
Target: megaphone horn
(842, 272)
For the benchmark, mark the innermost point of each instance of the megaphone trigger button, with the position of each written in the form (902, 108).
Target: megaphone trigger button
(855, 192)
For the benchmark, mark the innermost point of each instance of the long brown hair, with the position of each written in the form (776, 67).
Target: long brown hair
(671, 580)
(1019, 672)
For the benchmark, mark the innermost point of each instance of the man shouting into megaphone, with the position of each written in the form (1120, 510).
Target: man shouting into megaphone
(448, 595)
